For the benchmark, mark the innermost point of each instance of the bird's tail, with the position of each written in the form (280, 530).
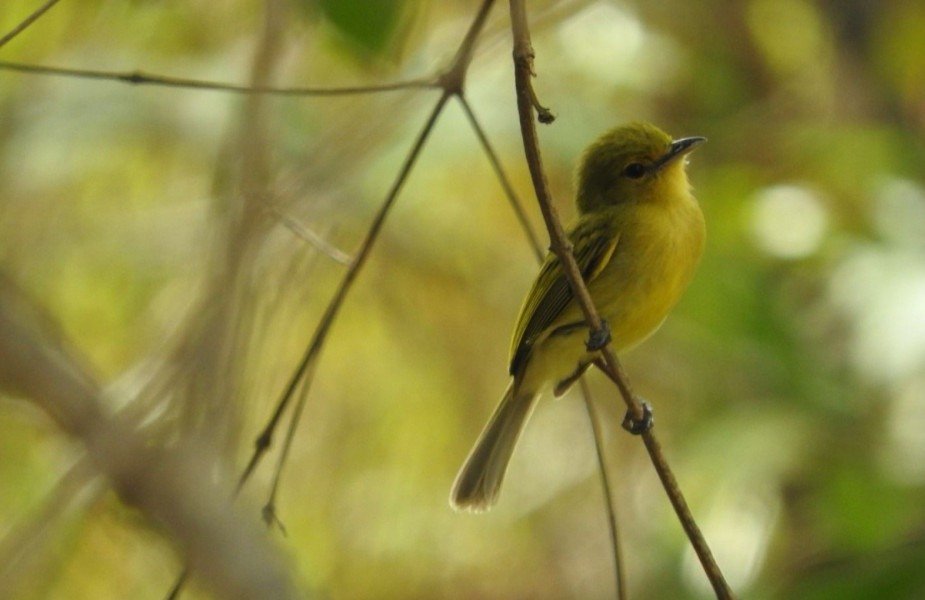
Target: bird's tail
(479, 480)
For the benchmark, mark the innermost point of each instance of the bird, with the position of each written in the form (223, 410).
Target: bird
(637, 240)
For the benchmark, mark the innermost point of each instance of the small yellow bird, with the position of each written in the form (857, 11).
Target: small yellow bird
(637, 242)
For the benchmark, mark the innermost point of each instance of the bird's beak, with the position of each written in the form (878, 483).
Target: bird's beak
(677, 149)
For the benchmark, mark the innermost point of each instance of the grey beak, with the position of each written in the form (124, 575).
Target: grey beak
(679, 148)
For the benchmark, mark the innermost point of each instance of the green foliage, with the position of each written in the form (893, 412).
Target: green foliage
(369, 26)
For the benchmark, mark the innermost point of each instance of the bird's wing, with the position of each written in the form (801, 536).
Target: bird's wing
(593, 246)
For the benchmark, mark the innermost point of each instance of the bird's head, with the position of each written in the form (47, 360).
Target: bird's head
(637, 162)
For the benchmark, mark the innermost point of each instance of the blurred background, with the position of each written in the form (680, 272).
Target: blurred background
(171, 233)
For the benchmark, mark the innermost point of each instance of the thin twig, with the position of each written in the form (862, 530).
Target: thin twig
(140, 78)
(526, 103)
(618, 570)
(303, 232)
(512, 198)
(452, 81)
(305, 370)
(178, 585)
(38, 12)
(597, 434)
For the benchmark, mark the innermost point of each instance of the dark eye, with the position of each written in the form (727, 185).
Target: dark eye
(634, 170)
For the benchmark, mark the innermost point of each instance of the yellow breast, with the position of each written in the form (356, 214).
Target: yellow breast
(655, 260)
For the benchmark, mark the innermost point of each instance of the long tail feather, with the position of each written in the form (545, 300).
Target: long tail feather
(479, 480)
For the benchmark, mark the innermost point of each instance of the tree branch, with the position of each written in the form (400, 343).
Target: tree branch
(532, 239)
(609, 503)
(306, 234)
(174, 486)
(526, 103)
(32, 18)
(452, 81)
(140, 78)
(26, 547)
(307, 364)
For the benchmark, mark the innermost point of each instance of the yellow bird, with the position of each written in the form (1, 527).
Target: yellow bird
(637, 241)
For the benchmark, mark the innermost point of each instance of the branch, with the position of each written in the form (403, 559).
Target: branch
(526, 103)
(606, 488)
(140, 78)
(171, 486)
(452, 81)
(26, 549)
(305, 368)
(306, 234)
(512, 198)
(38, 12)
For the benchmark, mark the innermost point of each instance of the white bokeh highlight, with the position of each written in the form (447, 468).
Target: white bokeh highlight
(788, 221)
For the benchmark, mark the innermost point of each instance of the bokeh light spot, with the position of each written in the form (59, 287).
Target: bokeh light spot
(788, 221)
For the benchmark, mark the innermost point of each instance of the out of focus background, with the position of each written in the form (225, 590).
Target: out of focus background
(174, 236)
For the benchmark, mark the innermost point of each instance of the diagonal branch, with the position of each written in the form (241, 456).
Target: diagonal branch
(32, 18)
(309, 360)
(173, 486)
(25, 549)
(306, 234)
(452, 81)
(526, 104)
(515, 203)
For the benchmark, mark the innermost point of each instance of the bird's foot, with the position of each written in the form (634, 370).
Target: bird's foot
(599, 337)
(639, 426)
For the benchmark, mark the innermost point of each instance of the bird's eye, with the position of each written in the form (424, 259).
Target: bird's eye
(634, 170)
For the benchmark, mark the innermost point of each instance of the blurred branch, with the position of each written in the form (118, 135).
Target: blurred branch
(606, 488)
(140, 78)
(24, 548)
(306, 234)
(233, 321)
(596, 433)
(173, 486)
(32, 18)
(512, 198)
(527, 102)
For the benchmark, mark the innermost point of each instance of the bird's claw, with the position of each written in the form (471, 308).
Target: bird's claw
(639, 426)
(599, 337)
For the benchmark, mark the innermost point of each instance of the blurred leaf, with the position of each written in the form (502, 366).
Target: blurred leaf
(368, 26)
(896, 574)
